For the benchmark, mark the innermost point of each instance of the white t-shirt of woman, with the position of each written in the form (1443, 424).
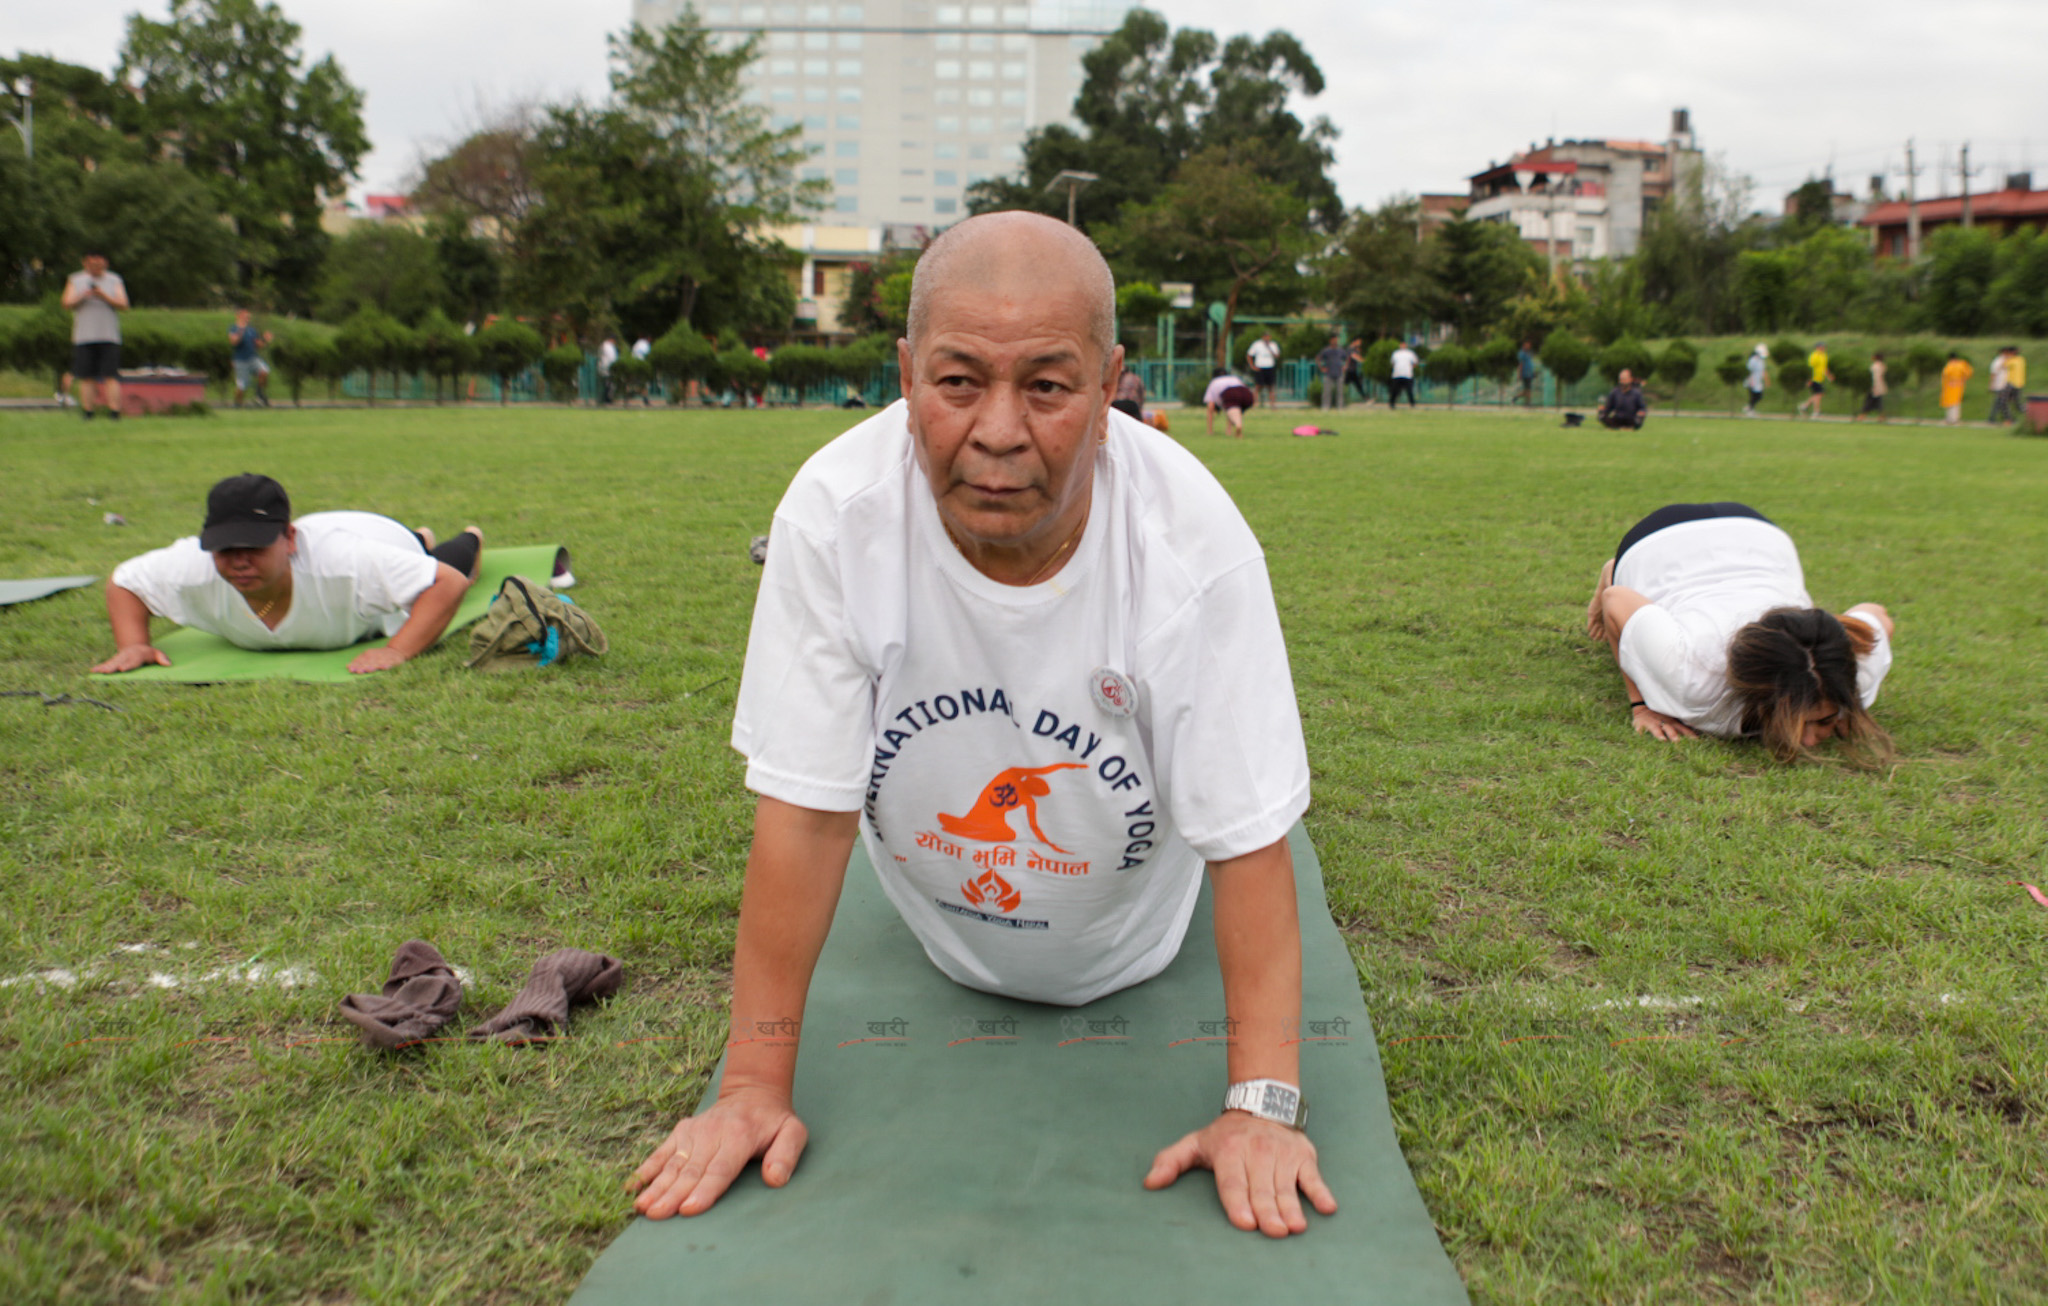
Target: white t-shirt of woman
(1707, 580)
(355, 575)
(1041, 770)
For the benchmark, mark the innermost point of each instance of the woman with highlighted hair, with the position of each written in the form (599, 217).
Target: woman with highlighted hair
(1706, 610)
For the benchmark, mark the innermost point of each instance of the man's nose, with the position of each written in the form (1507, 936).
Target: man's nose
(999, 426)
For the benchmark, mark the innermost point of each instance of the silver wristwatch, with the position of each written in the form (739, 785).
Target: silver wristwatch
(1269, 1099)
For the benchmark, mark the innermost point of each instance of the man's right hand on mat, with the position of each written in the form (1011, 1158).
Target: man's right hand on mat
(1258, 1166)
(131, 657)
(697, 1162)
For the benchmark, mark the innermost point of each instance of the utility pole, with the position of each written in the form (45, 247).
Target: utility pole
(25, 123)
(1963, 173)
(1912, 207)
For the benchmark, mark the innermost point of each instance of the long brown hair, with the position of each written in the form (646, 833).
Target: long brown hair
(1791, 660)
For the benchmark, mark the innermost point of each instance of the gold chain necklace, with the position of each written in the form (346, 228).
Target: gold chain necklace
(264, 612)
(1036, 576)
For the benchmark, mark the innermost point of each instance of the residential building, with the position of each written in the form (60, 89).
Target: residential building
(904, 104)
(2018, 205)
(1580, 200)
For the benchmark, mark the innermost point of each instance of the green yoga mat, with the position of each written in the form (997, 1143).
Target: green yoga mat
(959, 1164)
(198, 658)
(42, 587)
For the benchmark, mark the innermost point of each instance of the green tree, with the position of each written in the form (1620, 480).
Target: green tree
(656, 206)
(472, 279)
(1448, 366)
(1481, 267)
(1794, 376)
(1152, 99)
(1380, 274)
(1763, 281)
(1961, 265)
(1218, 224)
(381, 265)
(158, 228)
(868, 310)
(1924, 359)
(2018, 299)
(1627, 353)
(682, 354)
(1678, 364)
(372, 341)
(222, 86)
(1568, 357)
(562, 368)
(301, 356)
(1496, 361)
(1732, 371)
(445, 352)
(506, 348)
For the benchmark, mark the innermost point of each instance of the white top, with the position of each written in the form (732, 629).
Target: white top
(95, 320)
(1706, 580)
(1263, 353)
(355, 575)
(1757, 364)
(607, 354)
(1036, 842)
(642, 347)
(1404, 361)
(1998, 372)
(1213, 396)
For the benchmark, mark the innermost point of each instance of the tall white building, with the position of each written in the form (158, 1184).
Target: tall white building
(904, 104)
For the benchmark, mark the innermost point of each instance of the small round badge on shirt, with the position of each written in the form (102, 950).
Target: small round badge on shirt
(1113, 691)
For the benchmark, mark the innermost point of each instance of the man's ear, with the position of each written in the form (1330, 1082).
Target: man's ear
(1114, 371)
(903, 368)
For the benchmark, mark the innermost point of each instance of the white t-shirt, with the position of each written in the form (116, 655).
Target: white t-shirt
(1998, 372)
(1706, 580)
(884, 673)
(1213, 396)
(1404, 361)
(95, 320)
(1757, 364)
(355, 575)
(1263, 353)
(642, 347)
(607, 354)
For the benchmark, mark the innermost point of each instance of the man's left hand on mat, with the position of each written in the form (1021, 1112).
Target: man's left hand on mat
(375, 659)
(1259, 1166)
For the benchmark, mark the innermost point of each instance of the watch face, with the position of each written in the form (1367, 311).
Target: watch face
(1280, 1101)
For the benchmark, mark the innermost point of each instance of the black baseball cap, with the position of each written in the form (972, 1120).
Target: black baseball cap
(244, 512)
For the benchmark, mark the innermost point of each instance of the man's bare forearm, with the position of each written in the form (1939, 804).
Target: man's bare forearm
(1258, 946)
(431, 613)
(794, 874)
(128, 615)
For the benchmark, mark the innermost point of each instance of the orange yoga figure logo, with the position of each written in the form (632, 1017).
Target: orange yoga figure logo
(1019, 786)
(991, 890)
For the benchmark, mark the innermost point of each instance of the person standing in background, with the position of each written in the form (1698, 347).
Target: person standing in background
(1264, 356)
(251, 372)
(607, 354)
(1403, 363)
(2015, 379)
(1955, 374)
(1333, 360)
(96, 299)
(1817, 388)
(1354, 369)
(1873, 403)
(1525, 367)
(1759, 377)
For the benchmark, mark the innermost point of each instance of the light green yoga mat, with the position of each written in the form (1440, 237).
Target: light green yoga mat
(198, 658)
(42, 587)
(959, 1165)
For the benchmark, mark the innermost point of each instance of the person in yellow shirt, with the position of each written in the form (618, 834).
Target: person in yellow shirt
(1817, 388)
(1954, 374)
(2011, 368)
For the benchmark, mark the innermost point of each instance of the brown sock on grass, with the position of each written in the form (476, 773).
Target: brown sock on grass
(557, 982)
(421, 996)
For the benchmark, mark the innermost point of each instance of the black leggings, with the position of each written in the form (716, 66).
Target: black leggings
(1671, 514)
(459, 553)
(1401, 385)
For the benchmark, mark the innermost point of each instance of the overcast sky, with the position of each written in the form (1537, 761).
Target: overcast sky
(1424, 93)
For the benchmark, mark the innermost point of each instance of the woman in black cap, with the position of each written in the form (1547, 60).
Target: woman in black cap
(260, 580)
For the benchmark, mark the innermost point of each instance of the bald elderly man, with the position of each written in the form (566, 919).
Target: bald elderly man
(995, 595)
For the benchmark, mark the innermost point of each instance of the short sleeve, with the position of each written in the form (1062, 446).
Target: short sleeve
(1226, 732)
(388, 580)
(805, 717)
(160, 577)
(1871, 668)
(1654, 653)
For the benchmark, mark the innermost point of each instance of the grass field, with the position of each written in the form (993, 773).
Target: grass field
(1660, 1023)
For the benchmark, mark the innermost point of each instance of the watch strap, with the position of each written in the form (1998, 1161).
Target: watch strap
(1269, 1099)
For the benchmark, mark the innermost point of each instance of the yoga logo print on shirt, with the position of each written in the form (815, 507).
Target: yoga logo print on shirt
(1019, 786)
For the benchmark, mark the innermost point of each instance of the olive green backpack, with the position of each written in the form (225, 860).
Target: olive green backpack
(529, 625)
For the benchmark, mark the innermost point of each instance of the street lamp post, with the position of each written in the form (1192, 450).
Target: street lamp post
(1073, 181)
